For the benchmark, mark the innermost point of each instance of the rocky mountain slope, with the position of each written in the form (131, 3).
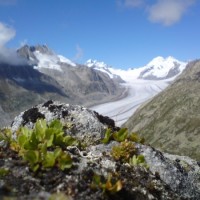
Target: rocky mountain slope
(46, 75)
(82, 84)
(103, 67)
(22, 86)
(78, 164)
(171, 120)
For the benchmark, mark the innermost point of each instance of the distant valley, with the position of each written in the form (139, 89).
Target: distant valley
(43, 75)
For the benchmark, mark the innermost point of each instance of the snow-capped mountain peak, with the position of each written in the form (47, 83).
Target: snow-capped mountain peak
(162, 68)
(43, 57)
(156, 61)
(44, 49)
(96, 64)
(160, 61)
(159, 68)
(63, 59)
(101, 66)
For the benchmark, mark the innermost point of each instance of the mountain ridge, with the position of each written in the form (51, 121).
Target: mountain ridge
(159, 68)
(103, 67)
(162, 68)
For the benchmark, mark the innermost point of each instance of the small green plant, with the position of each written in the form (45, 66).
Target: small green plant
(5, 136)
(107, 136)
(134, 137)
(110, 185)
(4, 172)
(121, 136)
(124, 151)
(43, 145)
(118, 136)
(138, 161)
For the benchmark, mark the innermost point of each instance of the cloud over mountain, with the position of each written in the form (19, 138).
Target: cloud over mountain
(7, 55)
(6, 34)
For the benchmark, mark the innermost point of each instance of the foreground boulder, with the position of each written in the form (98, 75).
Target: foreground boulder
(99, 169)
(85, 124)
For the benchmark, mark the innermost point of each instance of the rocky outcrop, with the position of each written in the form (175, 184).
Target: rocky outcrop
(86, 125)
(95, 173)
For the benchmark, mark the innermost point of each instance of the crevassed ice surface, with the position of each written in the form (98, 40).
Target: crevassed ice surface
(139, 91)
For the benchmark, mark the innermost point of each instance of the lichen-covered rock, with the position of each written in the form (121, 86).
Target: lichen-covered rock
(167, 177)
(138, 182)
(85, 125)
(181, 173)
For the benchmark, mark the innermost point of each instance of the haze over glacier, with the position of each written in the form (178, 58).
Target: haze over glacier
(141, 84)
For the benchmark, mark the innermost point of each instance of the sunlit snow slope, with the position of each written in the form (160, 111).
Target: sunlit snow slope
(139, 90)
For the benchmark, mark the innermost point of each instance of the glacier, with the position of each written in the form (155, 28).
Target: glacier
(139, 91)
(138, 88)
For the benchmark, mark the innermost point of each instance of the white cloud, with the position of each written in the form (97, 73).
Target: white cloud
(133, 3)
(6, 34)
(168, 12)
(79, 53)
(8, 55)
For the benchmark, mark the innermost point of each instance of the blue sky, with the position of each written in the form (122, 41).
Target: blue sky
(122, 33)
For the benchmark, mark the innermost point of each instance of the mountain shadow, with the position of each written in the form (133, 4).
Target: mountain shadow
(30, 79)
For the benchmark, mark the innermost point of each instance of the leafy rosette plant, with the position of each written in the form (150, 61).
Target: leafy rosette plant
(118, 136)
(138, 161)
(43, 145)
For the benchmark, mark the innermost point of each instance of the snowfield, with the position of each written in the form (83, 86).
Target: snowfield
(139, 91)
(51, 61)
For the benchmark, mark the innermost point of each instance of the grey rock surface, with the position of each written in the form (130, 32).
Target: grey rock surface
(86, 125)
(169, 176)
(181, 173)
